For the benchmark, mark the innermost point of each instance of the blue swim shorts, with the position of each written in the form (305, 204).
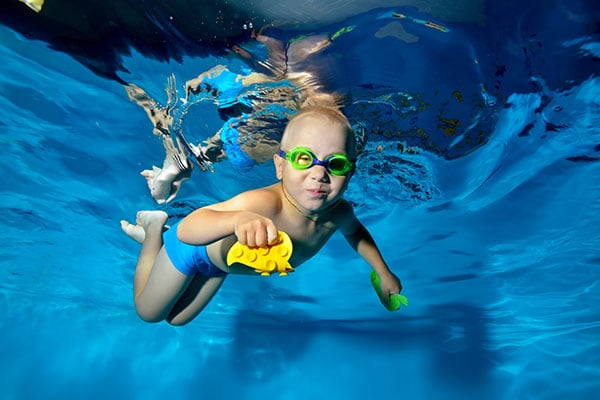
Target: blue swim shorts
(189, 259)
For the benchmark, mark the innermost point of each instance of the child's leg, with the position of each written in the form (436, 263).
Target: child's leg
(157, 284)
(160, 290)
(198, 294)
(164, 285)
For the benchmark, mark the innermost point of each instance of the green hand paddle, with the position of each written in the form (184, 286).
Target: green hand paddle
(395, 300)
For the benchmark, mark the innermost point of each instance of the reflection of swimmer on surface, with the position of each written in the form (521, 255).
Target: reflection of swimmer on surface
(429, 24)
(256, 106)
(164, 183)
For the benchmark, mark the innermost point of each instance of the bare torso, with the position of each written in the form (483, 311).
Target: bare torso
(308, 237)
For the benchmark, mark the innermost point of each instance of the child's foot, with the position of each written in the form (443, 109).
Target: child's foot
(145, 220)
(136, 232)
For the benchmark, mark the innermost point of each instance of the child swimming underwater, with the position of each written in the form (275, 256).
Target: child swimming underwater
(180, 270)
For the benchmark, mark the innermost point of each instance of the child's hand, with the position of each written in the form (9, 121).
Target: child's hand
(390, 284)
(254, 230)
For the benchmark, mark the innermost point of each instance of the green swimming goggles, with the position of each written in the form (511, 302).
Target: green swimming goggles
(337, 164)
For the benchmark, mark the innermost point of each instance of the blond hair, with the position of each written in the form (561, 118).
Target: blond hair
(329, 114)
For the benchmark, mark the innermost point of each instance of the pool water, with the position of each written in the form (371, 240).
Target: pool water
(479, 180)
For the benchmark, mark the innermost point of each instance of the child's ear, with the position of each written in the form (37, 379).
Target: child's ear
(278, 161)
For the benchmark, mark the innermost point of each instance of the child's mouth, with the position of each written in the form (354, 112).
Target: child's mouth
(317, 192)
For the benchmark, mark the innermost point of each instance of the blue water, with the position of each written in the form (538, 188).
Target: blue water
(493, 228)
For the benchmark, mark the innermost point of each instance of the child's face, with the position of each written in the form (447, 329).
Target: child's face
(315, 188)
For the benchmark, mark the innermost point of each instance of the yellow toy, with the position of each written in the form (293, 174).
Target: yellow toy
(264, 260)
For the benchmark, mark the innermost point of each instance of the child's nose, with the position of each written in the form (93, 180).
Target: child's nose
(319, 173)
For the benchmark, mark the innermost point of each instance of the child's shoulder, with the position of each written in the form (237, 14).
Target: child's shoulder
(267, 192)
(342, 213)
(343, 208)
(268, 197)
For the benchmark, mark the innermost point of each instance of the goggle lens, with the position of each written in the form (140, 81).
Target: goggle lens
(303, 158)
(339, 165)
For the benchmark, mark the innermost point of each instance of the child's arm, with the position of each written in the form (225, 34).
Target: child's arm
(247, 216)
(361, 240)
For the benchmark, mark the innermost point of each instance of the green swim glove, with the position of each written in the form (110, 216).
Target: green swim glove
(395, 300)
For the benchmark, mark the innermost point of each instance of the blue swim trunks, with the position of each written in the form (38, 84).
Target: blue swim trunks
(189, 259)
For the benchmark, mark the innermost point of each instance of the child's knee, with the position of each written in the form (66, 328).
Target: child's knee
(148, 315)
